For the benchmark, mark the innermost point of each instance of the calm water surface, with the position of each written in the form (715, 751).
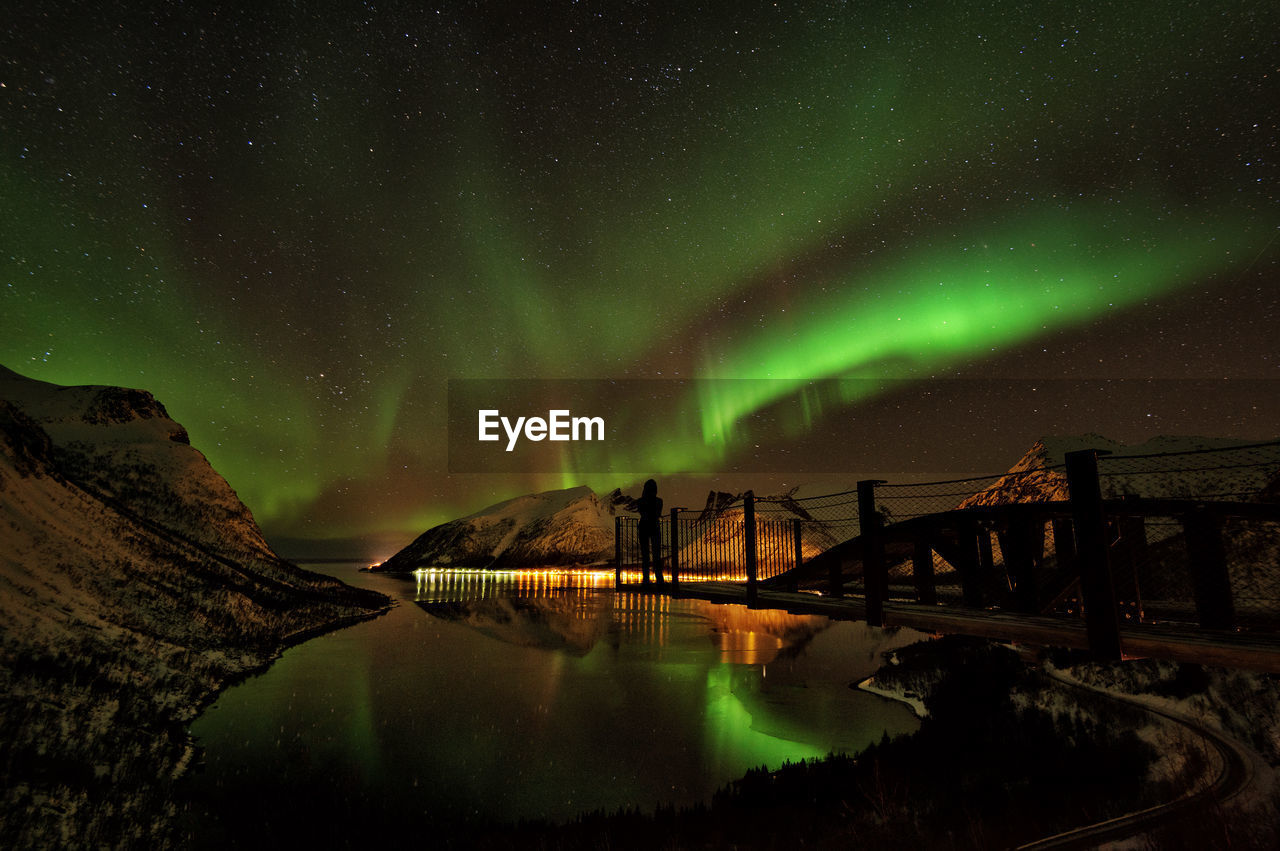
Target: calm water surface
(481, 699)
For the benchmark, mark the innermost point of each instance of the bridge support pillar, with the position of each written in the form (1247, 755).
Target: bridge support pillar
(1022, 544)
(1128, 566)
(875, 577)
(1210, 580)
(1102, 618)
(968, 564)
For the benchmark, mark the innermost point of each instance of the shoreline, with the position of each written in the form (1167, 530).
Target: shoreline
(914, 703)
(293, 639)
(102, 731)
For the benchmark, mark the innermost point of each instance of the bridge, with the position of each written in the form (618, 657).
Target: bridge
(1171, 555)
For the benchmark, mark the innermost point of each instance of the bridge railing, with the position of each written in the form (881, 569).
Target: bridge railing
(1189, 537)
(1220, 554)
(716, 546)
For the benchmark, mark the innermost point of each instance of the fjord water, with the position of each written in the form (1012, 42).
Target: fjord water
(485, 698)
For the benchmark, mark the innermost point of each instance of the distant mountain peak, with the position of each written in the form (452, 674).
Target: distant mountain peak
(569, 526)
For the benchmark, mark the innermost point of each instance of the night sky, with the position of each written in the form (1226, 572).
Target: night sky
(295, 223)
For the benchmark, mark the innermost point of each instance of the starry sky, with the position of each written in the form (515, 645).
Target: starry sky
(295, 223)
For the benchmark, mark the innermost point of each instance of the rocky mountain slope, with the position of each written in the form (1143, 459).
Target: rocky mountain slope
(133, 585)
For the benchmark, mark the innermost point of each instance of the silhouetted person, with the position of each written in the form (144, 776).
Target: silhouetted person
(650, 507)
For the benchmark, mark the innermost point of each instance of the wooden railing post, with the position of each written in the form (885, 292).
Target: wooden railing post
(1210, 581)
(1128, 566)
(1022, 544)
(875, 579)
(1064, 541)
(617, 553)
(749, 542)
(969, 563)
(1102, 619)
(675, 547)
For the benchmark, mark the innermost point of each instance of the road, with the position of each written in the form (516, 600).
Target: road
(1230, 772)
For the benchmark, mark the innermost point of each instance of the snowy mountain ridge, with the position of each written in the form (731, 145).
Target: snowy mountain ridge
(570, 526)
(121, 445)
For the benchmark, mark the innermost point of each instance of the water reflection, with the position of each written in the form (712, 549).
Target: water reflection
(440, 584)
(549, 609)
(530, 694)
(759, 637)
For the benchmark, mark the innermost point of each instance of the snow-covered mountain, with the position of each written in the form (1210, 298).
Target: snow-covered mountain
(133, 584)
(571, 526)
(120, 447)
(1228, 472)
(576, 526)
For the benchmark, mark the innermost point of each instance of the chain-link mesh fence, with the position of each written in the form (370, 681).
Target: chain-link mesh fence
(899, 502)
(1197, 563)
(1192, 540)
(1224, 473)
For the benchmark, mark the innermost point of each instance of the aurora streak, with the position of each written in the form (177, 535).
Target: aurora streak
(294, 227)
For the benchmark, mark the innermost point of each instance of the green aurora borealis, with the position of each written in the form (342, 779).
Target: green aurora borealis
(294, 226)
